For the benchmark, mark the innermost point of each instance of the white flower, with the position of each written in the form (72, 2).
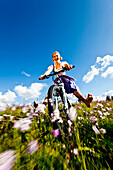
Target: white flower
(7, 160)
(11, 118)
(41, 108)
(103, 117)
(1, 118)
(102, 130)
(70, 123)
(72, 114)
(95, 130)
(99, 112)
(75, 151)
(22, 124)
(25, 109)
(13, 108)
(32, 147)
(56, 116)
(99, 104)
(80, 118)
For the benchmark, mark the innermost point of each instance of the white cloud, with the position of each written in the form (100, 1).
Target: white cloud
(28, 75)
(99, 98)
(91, 74)
(7, 98)
(100, 65)
(108, 72)
(106, 61)
(72, 98)
(29, 92)
(109, 93)
(103, 96)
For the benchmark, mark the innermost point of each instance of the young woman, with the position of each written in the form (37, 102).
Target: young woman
(69, 83)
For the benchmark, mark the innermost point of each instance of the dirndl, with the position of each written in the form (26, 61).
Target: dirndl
(69, 83)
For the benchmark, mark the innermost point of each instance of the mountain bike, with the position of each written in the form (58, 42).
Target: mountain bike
(58, 103)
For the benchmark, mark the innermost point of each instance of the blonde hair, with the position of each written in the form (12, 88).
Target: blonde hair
(56, 52)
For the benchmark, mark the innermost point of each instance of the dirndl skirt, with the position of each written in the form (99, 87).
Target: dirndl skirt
(69, 83)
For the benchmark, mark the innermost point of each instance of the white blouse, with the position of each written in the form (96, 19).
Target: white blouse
(53, 68)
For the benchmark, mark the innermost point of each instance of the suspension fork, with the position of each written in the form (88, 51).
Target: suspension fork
(64, 97)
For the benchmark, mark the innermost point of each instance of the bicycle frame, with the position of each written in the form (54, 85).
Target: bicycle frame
(61, 86)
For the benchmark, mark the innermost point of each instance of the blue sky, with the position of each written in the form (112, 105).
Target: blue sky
(30, 31)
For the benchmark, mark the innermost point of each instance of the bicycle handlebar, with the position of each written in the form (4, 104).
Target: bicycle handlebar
(62, 70)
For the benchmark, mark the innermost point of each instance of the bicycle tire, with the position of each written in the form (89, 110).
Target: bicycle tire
(58, 124)
(51, 104)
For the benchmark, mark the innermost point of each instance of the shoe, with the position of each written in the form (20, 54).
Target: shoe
(35, 104)
(89, 100)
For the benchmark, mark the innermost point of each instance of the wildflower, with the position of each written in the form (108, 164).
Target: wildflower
(72, 114)
(28, 114)
(75, 151)
(70, 123)
(96, 123)
(56, 132)
(70, 134)
(80, 118)
(25, 109)
(95, 130)
(13, 108)
(109, 109)
(77, 103)
(102, 130)
(52, 114)
(91, 112)
(2, 109)
(1, 118)
(22, 124)
(99, 104)
(102, 117)
(11, 118)
(99, 112)
(104, 110)
(5, 115)
(7, 159)
(78, 107)
(95, 107)
(51, 101)
(56, 116)
(86, 113)
(32, 147)
(41, 108)
(93, 119)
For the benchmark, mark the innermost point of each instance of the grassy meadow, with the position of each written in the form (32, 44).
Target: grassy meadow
(29, 141)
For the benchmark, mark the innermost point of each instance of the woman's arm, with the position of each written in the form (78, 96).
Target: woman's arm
(49, 70)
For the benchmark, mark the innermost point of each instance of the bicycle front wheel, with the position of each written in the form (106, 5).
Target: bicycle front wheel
(55, 100)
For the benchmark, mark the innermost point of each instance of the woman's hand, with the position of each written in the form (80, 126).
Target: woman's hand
(41, 77)
(68, 67)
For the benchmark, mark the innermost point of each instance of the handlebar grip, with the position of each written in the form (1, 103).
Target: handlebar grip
(45, 77)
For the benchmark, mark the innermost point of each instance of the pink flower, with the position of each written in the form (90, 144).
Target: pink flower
(86, 113)
(55, 132)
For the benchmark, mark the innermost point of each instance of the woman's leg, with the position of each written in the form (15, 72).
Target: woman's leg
(87, 100)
